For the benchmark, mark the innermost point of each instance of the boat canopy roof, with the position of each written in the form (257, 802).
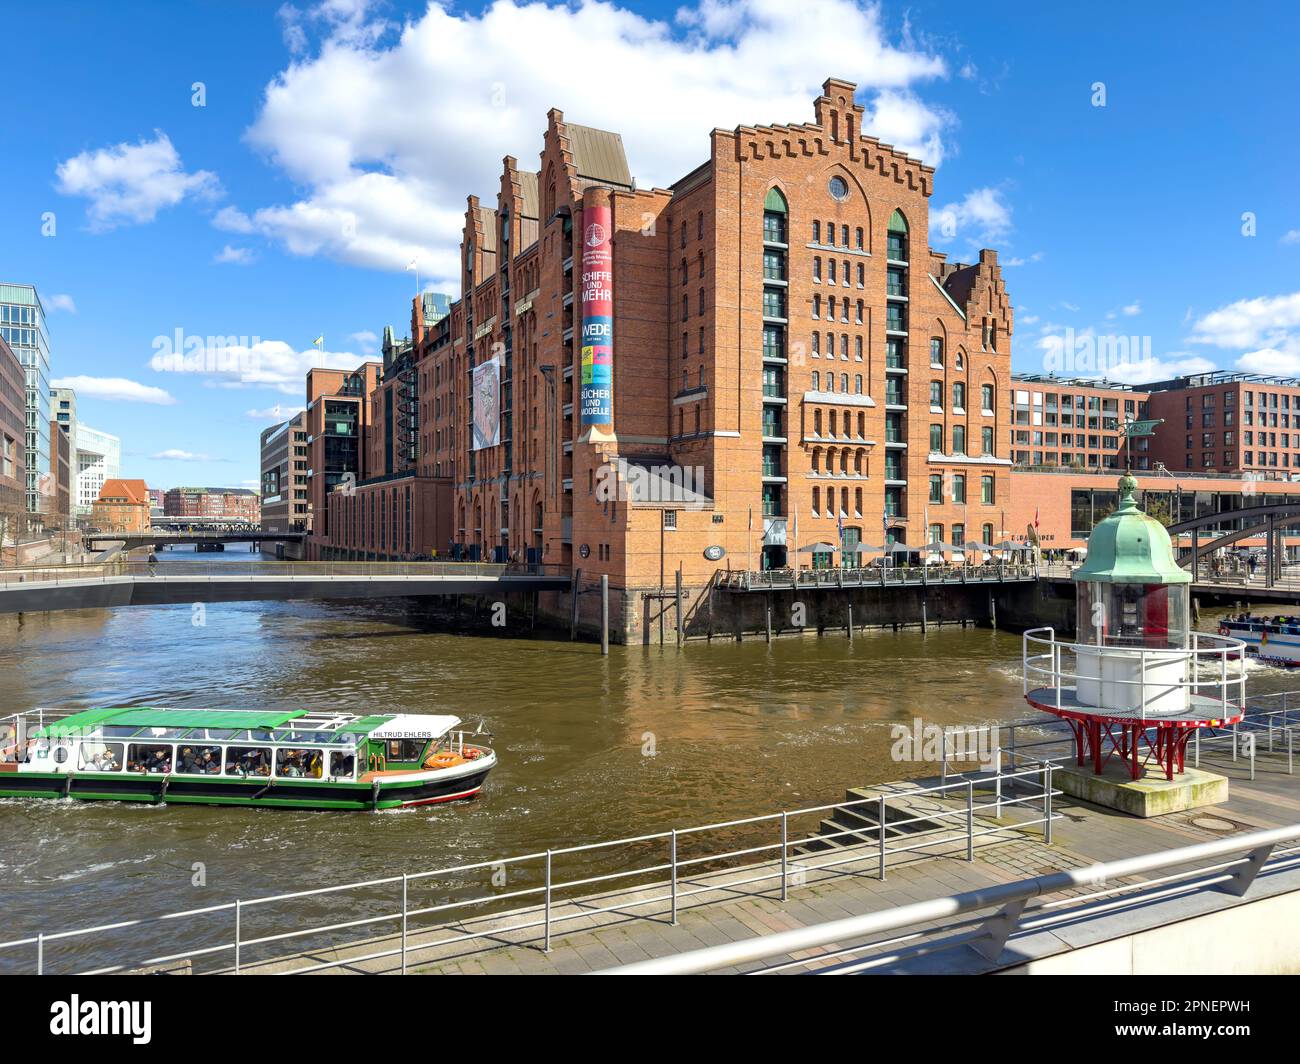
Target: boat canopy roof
(281, 725)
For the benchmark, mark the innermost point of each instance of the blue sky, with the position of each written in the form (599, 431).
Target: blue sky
(336, 143)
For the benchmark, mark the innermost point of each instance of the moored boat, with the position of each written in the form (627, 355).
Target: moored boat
(1272, 639)
(285, 759)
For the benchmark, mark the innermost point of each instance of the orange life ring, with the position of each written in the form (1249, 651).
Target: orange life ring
(443, 759)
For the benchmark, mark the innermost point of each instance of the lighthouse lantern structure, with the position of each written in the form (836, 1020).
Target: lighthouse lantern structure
(1138, 682)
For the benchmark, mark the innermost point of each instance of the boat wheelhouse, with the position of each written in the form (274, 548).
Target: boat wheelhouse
(295, 759)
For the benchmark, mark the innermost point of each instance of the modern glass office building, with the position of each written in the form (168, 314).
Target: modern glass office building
(99, 458)
(22, 324)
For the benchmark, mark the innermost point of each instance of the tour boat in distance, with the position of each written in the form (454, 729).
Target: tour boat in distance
(285, 759)
(1273, 639)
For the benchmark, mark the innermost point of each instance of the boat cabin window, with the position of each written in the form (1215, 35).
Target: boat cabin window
(342, 765)
(248, 761)
(299, 764)
(405, 749)
(202, 760)
(148, 757)
(100, 757)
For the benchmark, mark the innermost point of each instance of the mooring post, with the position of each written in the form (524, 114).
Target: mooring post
(767, 615)
(681, 628)
(848, 628)
(925, 627)
(604, 614)
(573, 604)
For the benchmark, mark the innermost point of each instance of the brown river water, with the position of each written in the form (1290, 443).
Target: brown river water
(647, 739)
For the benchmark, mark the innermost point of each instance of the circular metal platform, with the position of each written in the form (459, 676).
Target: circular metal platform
(1202, 711)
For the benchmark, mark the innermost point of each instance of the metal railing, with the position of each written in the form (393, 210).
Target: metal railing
(872, 576)
(908, 929)
(1208, 656)
(134, 569)
(636, 865)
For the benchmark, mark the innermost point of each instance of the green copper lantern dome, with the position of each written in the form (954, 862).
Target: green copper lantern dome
(1130, 547)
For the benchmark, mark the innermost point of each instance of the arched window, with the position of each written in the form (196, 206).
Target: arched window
(897, 238)
(986, 398)
(844, 382)
(936, 351)
(857, 383)
(959, 396)
(816, 500)
(816, 381)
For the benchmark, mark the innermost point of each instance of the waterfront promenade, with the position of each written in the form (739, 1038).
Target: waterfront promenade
(610, 928)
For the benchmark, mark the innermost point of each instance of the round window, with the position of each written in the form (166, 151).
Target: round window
(60, 754)
(839, 188)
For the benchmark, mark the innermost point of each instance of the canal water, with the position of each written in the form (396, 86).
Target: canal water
(590, 748)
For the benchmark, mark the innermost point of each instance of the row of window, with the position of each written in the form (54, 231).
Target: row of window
(959, 440)
(205, 760)
(832, 232)
(955, 484)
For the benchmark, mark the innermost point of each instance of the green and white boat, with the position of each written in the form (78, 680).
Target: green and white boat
(286, 759)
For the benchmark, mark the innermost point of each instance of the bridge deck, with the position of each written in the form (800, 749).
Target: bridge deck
(230, 582)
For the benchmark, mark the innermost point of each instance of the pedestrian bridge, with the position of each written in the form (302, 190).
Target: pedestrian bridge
(138, 584)
(831, 579)
(132, 540)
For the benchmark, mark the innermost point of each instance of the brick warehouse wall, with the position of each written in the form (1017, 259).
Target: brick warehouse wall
(688, 291)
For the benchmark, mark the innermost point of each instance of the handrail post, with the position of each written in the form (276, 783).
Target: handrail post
(970, 820)
(785, 860)
(239, 912)
(880, 826)
(1047, 803)
(404, 911)
(674, 874)
(997, 782)
(40, 953)
(547, 946)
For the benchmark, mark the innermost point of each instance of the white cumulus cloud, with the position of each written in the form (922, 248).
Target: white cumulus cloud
(360, 118)
(982, 217)
(118, 389)
(131, 183)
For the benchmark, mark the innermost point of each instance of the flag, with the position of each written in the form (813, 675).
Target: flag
(412, 265)
(319, 341)
(1035, 518)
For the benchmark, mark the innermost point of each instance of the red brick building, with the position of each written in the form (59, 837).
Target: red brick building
(1226, 422)
(122, 506)
(1075, 422)
(236, 505)
(792, 363)
(14, 519)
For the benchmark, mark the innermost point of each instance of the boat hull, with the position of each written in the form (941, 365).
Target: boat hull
(1273, 645)
(392, 792)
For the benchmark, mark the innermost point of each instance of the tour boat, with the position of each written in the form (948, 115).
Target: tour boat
(294, 759)
(1271, 639)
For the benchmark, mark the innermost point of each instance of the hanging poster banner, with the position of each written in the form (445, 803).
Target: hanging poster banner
(597, 396)
(487, 405)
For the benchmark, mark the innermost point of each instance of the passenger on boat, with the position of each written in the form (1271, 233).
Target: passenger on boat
(341, 764)
(103, 762)
(158, 761)
(188, 762)
(210, 761)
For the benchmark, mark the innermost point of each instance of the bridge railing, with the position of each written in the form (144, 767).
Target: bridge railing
(648, 876)
(871, 576)
(923, 928)
(136, 569)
